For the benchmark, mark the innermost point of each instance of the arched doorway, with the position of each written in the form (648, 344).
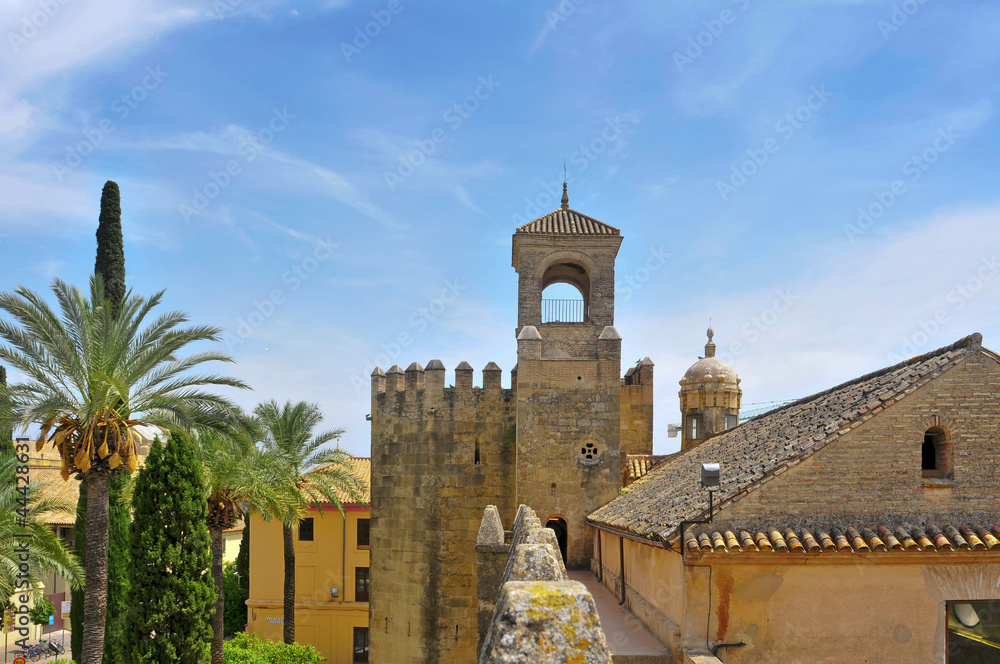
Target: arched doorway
(559, 526)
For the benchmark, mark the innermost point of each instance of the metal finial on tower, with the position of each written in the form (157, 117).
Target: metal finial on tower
(565, 196)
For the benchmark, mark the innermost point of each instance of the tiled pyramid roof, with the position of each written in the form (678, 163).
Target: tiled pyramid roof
(567, 222)
(769, 444)
(362, 468)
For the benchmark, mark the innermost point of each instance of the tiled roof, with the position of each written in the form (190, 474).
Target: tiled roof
(50, 484)
(847, 539)
(654, 506)
(640, 464)
(362, 467)
(567, 222)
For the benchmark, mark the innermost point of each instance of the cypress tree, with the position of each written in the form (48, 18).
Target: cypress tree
(110, 264)
(7, 431)
(173, 595)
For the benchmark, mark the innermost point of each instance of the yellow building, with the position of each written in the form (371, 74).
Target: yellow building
(331, 578)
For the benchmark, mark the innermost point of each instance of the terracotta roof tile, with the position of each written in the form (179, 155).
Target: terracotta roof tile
(50, 484)
(837, 540)
(767, 445)
(362, 467)
(567, 222)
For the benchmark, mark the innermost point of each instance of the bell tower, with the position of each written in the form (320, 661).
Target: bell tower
(568, 420)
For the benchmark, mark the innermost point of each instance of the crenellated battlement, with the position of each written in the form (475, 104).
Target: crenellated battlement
(419, 392)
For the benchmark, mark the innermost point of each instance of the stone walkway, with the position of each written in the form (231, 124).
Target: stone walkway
(629, 641)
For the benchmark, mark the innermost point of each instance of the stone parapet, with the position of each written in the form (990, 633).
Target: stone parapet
(539, 615)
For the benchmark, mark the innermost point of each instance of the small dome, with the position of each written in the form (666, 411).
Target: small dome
(710, 369)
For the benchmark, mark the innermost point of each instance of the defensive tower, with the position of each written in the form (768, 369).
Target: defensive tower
(568, 374)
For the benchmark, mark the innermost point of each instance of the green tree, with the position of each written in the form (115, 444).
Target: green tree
(243, 558)
(287, 433)
(41, 611)
(170, 607)
(110, 265)
(239, 479)
(47, 552)
(235, 612)
(6, 432)
(84, 368)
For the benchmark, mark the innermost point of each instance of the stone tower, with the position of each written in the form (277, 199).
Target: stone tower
(569, 392)
(553, 441)
(710, 398)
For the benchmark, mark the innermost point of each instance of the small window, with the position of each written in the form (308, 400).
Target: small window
(364, 534)
(973, 632)
(477, 453)
(694, 429)
(935, 454)
(360, 644)
(362, 584)
(732, 421)
(306, 530)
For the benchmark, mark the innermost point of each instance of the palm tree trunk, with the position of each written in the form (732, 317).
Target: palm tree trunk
(289, 632)
(218, 547)
(95, 568)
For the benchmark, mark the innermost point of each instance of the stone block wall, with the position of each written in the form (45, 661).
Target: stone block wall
(637, 409)
(428, 494)
(539, 615)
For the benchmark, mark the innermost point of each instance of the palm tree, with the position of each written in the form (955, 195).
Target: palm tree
(240, 478)
(287, 433)
(93, 373)
(46, 551)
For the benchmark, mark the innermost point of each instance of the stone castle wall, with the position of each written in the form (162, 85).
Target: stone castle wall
(428, 494)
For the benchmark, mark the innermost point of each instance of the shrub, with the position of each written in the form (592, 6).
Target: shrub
(250, 649)
(235, 611)
(41, 611)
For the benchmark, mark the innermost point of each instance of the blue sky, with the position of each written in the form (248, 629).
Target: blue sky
(817, 177)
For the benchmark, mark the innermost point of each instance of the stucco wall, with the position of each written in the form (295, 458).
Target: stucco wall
(320, 619)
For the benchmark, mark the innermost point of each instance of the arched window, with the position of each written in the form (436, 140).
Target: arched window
(563, 303)
(936, 453)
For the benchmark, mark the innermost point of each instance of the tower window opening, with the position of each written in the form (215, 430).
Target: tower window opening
(563, 303)
(477, 454)
(694, 429)
(935, 454)
(732, 421)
